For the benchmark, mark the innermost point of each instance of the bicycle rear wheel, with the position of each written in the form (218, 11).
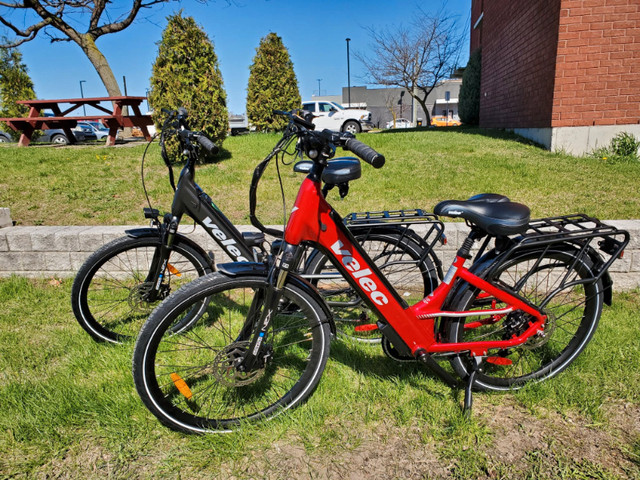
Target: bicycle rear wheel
(399, 254)
(108, 293)
(572, 317)
(190, 382)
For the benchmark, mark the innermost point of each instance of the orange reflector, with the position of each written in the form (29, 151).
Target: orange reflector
(173, 270)
(181, 385)
(499, 360)
(369, 327)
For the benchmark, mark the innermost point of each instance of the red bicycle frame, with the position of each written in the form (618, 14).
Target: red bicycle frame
(313, 220)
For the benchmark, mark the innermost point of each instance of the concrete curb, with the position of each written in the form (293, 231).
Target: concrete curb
(59, 251)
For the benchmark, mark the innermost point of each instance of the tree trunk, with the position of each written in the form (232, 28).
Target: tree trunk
(101, 65)
(423, 104)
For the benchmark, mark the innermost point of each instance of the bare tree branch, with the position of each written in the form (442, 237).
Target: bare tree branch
(53, 14)
(417, 58)
(27, 34)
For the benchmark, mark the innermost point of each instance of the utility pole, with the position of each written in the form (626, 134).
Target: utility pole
(319, 80)
(84, 110)
(348, 76)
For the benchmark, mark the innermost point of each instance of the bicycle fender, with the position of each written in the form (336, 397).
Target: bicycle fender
(154, 232)
(591, 252)
(239, 269)
(493, 256)
(607, 282)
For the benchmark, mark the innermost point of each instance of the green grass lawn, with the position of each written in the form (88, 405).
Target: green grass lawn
(95, 185)
(68, 409)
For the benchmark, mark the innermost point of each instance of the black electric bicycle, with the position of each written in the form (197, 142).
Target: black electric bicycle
(118, 286)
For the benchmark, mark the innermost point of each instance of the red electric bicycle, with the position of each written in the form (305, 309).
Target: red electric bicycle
(521, 312)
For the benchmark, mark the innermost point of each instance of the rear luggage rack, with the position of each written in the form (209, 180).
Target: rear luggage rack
(572, 228)
(577, 229)
(405, 218)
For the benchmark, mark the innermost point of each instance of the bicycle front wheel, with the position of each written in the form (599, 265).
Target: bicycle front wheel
(572, 317)
(398, 253)
(190, 382)
(109, 292)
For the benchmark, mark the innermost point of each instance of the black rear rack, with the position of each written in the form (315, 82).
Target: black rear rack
(579, 230)
(406, 218)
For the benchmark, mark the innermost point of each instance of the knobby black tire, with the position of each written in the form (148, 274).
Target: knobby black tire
(399, 254)
(188, 380)
(106, 296)
(573, 315)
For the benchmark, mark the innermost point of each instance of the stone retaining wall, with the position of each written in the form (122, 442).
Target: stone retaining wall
(60, 251)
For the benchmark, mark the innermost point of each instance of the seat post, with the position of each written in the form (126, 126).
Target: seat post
(465, 250)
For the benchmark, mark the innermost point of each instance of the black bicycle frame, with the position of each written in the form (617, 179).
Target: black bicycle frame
(189, 198)
(192, 200)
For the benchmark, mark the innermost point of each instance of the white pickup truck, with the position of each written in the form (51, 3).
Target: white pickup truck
(333, 116)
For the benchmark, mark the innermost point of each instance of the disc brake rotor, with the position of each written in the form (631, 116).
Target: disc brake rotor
(224, 366)
(137, 296)
(540, 339)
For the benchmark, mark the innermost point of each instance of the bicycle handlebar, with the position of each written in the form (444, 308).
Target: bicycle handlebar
(207, 144)
(323, 146)
(365, 152)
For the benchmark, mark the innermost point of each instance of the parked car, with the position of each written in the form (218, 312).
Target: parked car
(333, 116)
(238, 124)
(400, 123)
(444, 121)
(96, 128)
(58, 136)
(5, 137)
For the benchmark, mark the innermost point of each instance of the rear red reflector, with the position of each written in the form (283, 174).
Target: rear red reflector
(366, 328)
(499, 360)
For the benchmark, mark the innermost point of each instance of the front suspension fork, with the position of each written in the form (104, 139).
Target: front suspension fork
(160, 259)
(269, 301)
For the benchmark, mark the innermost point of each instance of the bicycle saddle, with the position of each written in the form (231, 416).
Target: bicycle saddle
(493, 213)
(339, 170)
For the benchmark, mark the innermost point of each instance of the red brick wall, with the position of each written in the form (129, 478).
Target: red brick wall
(519, 43)
(598, 66)
(477, 7)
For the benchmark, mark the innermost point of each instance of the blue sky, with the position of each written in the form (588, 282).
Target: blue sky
(313, 31)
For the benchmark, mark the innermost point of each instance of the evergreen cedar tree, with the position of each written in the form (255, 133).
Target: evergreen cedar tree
(186, 74)
(469, 103)
(272, 85)
(15, 84)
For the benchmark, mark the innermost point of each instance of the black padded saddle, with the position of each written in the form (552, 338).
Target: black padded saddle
(495, 214)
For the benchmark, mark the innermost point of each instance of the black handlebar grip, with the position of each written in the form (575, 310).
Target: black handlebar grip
(365, 152)
(208, 145)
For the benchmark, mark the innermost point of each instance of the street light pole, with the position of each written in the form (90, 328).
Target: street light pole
(319, 80)
(348, 75)
(84, 110)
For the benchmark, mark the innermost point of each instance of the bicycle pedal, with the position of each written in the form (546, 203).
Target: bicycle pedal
(502, 361)
(369, 327)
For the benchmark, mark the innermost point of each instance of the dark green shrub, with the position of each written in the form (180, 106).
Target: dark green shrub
(186, 74)
(469, 106)
(15, 84)
(622, 148)
(272, 85)
(625, 145)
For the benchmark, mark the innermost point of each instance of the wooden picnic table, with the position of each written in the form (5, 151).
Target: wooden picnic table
(113, 117)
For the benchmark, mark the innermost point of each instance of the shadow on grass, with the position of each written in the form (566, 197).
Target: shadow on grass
(222, 155)
(493, 133)
(379, 366)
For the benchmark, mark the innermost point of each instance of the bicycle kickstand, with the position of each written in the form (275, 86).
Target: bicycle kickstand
(468, 394)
